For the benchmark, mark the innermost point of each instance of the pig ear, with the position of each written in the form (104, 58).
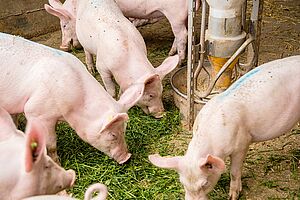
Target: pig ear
(131, 96)
(167, 66)
(58, 12)
(151, 79)
(115, 121)
(55, 3)
(165, 162)
(35, 143)
(6, 124)
(212, 164)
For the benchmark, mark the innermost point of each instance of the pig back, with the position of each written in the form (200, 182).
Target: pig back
(107, 31)
(269, 96)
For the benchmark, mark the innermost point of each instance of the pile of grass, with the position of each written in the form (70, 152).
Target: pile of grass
(137, 179)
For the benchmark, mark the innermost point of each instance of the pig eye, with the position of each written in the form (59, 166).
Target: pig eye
(112, 136)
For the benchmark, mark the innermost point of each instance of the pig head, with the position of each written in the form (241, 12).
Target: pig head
(111, 138)
(197, 176)
(151, 101)
(67, 14)
(26, 170)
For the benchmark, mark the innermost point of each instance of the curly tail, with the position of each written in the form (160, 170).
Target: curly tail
(97, 187)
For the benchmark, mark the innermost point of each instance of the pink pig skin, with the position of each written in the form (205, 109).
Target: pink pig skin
(97, 187)
(51, 85)
(139, 12)
(120, 48)
(26, 171)
(261, 105)
(176, 11)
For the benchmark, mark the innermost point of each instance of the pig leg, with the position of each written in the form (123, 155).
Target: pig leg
(173, 48)
(51, 140)
(32, 111)
(108, 83)
(89, 62)
(237, 159)
(50, 137)
(107, 78)
(180, 33)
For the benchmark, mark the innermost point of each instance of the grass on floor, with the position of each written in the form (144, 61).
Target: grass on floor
(137, 179)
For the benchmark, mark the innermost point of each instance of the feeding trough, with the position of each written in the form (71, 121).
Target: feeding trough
(226, 49)
(179, 85)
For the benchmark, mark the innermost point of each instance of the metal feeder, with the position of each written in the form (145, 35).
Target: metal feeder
(225, 49)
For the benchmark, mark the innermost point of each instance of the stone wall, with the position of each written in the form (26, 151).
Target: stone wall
(27, 18)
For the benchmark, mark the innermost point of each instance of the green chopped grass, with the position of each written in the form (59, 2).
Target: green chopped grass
(137, 179)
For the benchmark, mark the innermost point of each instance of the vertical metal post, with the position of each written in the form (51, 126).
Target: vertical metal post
(191, 63)
(255, 26)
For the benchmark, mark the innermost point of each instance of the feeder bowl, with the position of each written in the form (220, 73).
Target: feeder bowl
(179, 85)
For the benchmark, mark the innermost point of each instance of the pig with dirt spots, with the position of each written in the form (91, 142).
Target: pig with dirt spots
(97, 187)
(139, 12)
(26, 169)
(120, 49)
(51, 85)
(261, 105)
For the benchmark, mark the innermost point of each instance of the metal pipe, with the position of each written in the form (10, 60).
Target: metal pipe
(225, 66)
(190, 63)
(202, 41)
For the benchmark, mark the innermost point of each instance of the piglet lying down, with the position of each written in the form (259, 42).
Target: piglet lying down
(26, 169)
(261, 105)
(97, 187)
(51, 85)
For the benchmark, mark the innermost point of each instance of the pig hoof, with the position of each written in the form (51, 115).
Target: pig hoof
(233, 196)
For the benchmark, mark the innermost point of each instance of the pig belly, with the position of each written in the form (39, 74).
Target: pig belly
(12, 100)
(140, 9)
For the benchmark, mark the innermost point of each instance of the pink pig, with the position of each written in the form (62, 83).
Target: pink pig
(97, 187)
(261, 105)
(120, 49)
(176, 11)
(51, 85)
(26, 169)
(140, 12)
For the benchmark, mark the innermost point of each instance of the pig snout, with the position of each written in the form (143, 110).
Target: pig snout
(66, 46)
(67, 180)
(71, 177)
(121, 156)
(157, 112)
(159, 115)
(195, 196)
